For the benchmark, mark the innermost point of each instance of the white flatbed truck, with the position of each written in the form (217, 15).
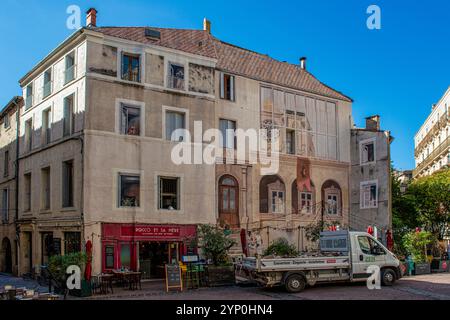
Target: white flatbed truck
(343, 256)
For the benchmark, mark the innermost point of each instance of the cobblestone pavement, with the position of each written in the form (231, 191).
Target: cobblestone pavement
(425, 287)
(20, 282)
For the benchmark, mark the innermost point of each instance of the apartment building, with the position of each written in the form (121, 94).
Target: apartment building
(9, 119)
(432, 141)
(371, 204)
(103, 114)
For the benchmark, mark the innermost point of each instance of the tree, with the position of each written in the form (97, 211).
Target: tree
(404, 213)
(215, 243)
(432, 201)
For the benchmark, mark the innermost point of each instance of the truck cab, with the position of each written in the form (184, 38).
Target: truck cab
(368, 251)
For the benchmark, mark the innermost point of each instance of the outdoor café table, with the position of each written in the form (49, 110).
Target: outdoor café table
(106, 282)
(134, 279)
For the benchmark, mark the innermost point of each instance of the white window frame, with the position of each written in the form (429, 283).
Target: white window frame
(273, 209)
(222, 142)
(374, 203)
(119, 189)
(185, 111)
(134, 104)
(305, 210)
(361, 150)
(168, 74)
(232, 85)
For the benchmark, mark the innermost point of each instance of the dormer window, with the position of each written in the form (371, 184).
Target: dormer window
(131, 67)
(176, 76)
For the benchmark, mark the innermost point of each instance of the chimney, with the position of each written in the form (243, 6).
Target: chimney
(206, 25)
(91, 18)
(303, 63)
(373, 123)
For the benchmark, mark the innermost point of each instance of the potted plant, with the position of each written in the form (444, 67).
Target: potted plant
(281, 248)
(416, 243)
(215, 243)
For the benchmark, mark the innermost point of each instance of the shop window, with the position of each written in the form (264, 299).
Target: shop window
(169, 189)
(48, 248)
(130, 119)
(367, 150)
(72, 242)
(131, 67)
(369, 194)
(67, 187)
(227, 87)
(176, 76)
(109, 257)
(227, 129)
(129, 192)
(125, 256)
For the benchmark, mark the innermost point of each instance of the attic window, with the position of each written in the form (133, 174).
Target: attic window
(153, 34)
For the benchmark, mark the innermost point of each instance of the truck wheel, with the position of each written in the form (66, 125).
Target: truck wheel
(295, 283)
(388, 277)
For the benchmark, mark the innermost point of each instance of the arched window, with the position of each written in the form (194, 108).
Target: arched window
(303, 201)
(331, 197)
(229, 200)
(272, 195)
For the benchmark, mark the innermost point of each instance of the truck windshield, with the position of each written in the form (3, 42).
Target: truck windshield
(369, 246)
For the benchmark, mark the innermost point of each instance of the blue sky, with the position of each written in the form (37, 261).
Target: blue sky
(397, 72)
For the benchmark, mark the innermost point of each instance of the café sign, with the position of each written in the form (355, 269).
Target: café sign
(150, 231)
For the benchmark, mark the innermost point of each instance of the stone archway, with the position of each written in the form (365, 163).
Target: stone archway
(6, 256)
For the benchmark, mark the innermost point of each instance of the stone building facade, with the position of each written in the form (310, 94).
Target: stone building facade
(104, 114)
(432, 141)
(370, 179)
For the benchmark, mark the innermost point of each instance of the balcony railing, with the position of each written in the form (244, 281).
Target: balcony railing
(69, 74)
(47, 89)
(432, 156)
(175, 82)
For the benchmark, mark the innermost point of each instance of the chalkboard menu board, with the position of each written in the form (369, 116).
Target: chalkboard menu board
(173, 277)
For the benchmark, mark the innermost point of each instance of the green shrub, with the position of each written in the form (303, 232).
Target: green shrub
(281, 247)
(215, 243)
(416, 243)
(57, 265)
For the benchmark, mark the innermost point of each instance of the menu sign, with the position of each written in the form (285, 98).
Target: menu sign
(173, 277)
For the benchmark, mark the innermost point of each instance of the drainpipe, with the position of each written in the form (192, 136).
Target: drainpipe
(16, 175)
